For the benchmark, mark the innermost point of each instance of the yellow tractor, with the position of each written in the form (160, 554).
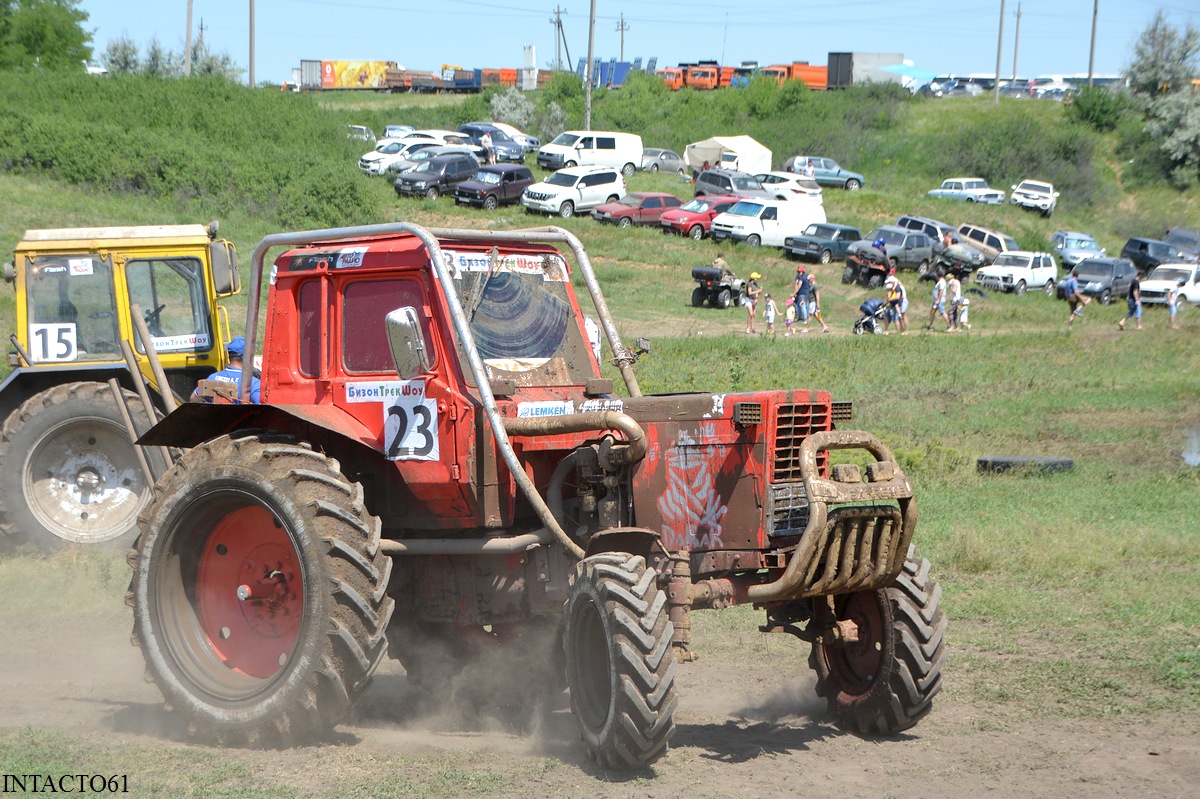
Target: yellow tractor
(113, 325)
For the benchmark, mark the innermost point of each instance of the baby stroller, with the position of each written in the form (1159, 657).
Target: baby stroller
(872, 317)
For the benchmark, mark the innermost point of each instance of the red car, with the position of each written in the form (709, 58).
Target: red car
(695, 218)
(636, 208)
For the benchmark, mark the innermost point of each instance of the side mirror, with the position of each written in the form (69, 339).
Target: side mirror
(407, 342)
(1014, 188)
(223, 258)
(10, 272)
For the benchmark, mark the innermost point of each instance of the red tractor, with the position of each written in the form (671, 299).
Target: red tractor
(438, 470)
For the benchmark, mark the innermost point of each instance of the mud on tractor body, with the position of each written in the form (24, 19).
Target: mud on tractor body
(111, 323)
(438, 469)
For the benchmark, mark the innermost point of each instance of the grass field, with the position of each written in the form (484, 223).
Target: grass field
(1070, 595)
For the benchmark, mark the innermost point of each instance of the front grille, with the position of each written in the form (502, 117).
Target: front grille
(787, 510)
(842, 411)
(793, 424)
(537, 195)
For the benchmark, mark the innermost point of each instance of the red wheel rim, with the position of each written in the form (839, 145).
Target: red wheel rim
(250, 592)
(856, 665)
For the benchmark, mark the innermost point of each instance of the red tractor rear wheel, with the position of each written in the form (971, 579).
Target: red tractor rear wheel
(258, 591)
(884, 682)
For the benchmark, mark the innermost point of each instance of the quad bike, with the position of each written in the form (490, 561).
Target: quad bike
(719, 290)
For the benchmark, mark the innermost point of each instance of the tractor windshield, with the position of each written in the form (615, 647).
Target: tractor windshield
(71, 311)
(521, 317)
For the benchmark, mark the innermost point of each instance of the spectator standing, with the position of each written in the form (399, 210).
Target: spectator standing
(939, 302)
(770, 310)
(486, 141)
(801, 290)
(1075, 300)
(1174, 300)
(814, 305)
(954, 298)
(751, 302)
(1134, 299)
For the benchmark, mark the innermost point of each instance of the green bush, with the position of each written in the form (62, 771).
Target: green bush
(200, 139)
(1099, 109)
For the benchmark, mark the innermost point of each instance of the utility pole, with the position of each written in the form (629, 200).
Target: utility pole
(1016, 41)
(587, 70)
(558, 38)
(999, 45)
(187, 43)
(1092, 52)
(251, 44)
(622, 26)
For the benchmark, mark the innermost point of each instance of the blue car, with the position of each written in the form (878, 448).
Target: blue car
(822, 242)
(826, 171)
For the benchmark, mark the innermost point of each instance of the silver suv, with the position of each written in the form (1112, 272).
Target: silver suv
(730, 182)
(576, 188)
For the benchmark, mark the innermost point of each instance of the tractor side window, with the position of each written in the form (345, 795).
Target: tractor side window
(365, 306)
(170, 292)
(72, 309)
(309, 346)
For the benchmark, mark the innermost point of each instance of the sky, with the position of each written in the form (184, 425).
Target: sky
(941, 36)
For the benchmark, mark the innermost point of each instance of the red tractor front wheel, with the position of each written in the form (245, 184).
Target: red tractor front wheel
(883, 682)
(258, 592)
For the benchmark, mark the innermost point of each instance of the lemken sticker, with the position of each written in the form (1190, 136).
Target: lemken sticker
(547, 408)
(350, 257)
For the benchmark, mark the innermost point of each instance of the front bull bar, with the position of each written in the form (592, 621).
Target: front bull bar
(853, 546)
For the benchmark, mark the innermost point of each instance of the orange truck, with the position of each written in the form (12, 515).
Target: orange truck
(672, 76)
(814, 76)
(702, 77)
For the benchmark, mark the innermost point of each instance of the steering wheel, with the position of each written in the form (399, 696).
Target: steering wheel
(153, 321)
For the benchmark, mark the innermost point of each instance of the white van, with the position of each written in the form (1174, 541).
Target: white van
(767, 221)
(592, 148)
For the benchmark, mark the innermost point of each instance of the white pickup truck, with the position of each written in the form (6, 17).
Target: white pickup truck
(1018, 271)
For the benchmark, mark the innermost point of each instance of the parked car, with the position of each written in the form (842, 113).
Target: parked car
(1149, 253)
(932, 228)
(727, 181)
(530, 143)
(757, 221)
(694, 218)
(823, 242)
(657, 160)
(1102, 278)
(1019, 270)
(904, 248)
(787, 184)
(826, 172)
(1035, 195)
(1017, 88)
(971, 190)
(636, 208)
(592, 148)
(361, 133)
(1164, 276)
(395, 131)
(989, 242)
(429, 149)
(507, 151)
(494, 185)
(389, 155)
(437, 176)
(577, 188)
(1188, 241)
(1073, 246)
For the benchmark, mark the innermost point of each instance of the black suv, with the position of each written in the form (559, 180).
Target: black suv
(437, 176)
(727, 181)
(1103, 278)
(1149, 253)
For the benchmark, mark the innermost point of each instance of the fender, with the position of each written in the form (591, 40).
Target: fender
(636, 540)
(23, 382)
(193, 423)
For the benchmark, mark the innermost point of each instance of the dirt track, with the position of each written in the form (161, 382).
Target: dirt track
(767, 737)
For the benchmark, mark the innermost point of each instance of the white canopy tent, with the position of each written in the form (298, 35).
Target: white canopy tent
(731, 152)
